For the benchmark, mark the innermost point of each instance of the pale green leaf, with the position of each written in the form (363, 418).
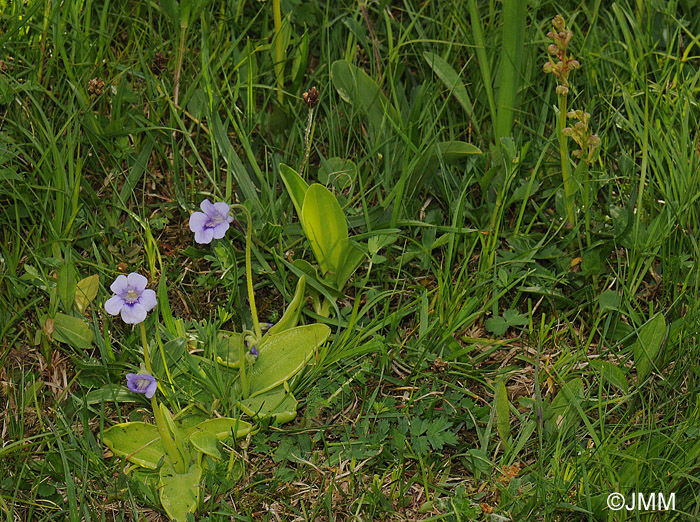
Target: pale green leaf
(86, 291)
(325, 227)
(296, 186)
(228, 348)
(138, 442)
(179, 492)
(205, 435)
(277, 403)
(282, 355)
(291, 314)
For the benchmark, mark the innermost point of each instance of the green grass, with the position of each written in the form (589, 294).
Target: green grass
(474, 284)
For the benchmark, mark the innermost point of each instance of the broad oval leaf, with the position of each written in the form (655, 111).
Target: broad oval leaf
(138, 442)
(282, 355)
(72, 330)
(277, 403)
(204, 436)
(325, 227)
(351, 260)
(179, 492)
(86, 291)
(338, 172)
(562, 413)
(612, 373)
(649, 341)
(358, 89)
(450, 78)
(228, 348)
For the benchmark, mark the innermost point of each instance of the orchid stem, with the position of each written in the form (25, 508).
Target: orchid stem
(564, 153)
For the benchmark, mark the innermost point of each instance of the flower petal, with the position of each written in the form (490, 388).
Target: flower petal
(151, 390)
(148, 299)
(114, 304)
(205, 236)
(133, 314)
(221, 208)
(120, 285)
(207, 207)
(219, 230)
(131, 382)
(137, 282)
(198, 220)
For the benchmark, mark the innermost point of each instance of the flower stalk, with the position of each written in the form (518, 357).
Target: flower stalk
(251, 299)
(177, 455)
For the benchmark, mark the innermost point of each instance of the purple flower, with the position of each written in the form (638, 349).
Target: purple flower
(142, 383)
(254, 351)
(132, 300)
(211, 223)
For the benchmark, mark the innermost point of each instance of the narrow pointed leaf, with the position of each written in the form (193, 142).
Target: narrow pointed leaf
(296, 186)
(291, 314)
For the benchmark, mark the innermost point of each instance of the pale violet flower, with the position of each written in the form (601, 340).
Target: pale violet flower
(142, 383)
(132, 300)
(211, 223)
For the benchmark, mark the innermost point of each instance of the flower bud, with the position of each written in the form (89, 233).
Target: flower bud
(553, 50)
(562, 90)
(547, 67)
(559, 23)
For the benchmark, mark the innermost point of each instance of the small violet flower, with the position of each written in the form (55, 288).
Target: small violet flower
(132, 299)
(254, 351)
(142, 383)
(211, 223)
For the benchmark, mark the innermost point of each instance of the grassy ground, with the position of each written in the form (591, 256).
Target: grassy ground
(492, 358)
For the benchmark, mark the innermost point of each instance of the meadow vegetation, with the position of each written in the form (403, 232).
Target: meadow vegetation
(513, 317)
